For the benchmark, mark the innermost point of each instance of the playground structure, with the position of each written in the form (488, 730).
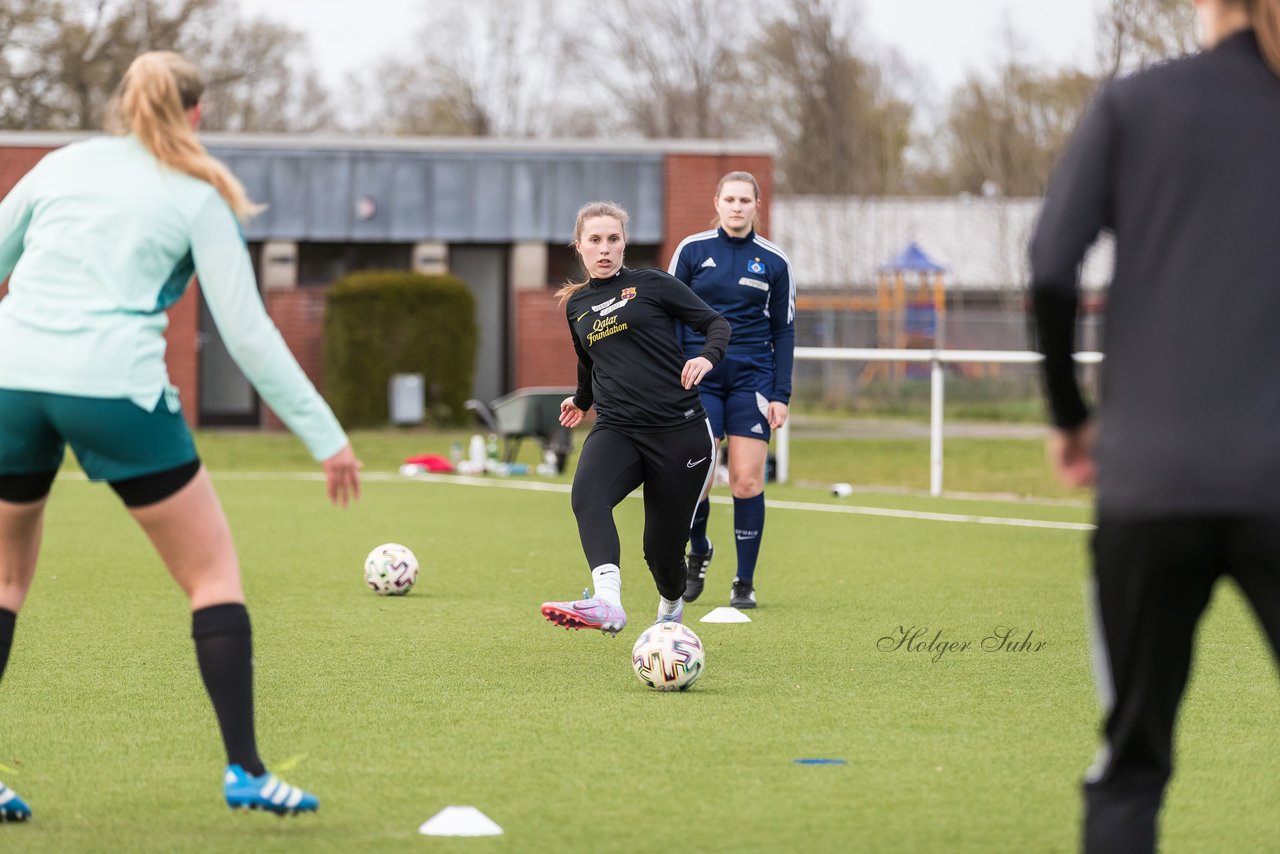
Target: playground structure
(911, 305)
(909, 308)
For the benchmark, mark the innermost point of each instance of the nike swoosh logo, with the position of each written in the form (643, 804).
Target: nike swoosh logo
(579, 317)
(693, 463)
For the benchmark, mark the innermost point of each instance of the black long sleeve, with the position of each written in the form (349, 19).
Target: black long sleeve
(717, 333)
(1077, 207)
(583, 397)
(629, 358)
(1054, 314)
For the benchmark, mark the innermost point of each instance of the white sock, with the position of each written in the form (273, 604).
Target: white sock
(607, 580)
(667, 607)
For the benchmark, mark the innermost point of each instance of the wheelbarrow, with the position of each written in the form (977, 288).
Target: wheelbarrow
(528, 413)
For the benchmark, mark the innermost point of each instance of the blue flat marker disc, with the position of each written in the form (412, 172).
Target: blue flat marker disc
(820, 762)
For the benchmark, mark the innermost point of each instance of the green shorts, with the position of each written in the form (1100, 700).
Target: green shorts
(113, 438)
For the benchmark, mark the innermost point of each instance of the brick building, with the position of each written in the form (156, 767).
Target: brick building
(498, 214)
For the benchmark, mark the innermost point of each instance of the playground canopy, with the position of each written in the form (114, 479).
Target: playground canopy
(912, 259)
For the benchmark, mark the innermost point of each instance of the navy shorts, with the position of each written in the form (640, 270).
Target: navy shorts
(736, 396)
(114, 439)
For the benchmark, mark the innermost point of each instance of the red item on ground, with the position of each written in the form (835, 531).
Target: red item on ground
(431, 462)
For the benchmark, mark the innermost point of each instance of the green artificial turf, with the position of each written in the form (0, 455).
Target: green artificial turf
(460, 693)
(1011, 467)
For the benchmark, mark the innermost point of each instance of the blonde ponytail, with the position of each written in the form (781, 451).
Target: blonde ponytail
(1265, 16)
(152, 104)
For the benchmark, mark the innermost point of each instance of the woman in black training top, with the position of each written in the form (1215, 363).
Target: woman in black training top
(650, 429)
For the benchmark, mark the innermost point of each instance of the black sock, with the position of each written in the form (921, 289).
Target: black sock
(7, 621)
(224, 649)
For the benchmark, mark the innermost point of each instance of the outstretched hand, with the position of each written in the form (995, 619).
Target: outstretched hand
(570, 415)
(342, 476)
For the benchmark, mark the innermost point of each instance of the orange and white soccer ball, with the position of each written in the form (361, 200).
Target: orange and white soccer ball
(391, 570)
(668, 657)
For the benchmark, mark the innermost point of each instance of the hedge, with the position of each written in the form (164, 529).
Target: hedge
(383, 322)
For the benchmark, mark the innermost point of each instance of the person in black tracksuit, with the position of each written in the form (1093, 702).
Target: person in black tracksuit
(650, 429)
(1182, 163)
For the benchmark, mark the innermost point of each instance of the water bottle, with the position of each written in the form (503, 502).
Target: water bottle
(455, 453)
(491, 464)
(475, 451)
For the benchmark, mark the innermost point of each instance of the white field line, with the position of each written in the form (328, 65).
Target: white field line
(927, 516)
(541, 486)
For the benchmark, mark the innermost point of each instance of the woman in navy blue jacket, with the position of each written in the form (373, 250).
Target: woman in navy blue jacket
(748, 280)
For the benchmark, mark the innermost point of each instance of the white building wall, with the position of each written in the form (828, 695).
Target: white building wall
(836, 242)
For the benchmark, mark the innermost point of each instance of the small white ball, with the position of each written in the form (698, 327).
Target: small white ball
(391, 570)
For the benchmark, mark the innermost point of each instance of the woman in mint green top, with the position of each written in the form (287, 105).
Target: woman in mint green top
(97, 241)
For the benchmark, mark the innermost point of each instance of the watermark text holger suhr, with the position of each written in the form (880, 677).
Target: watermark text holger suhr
(918, 639)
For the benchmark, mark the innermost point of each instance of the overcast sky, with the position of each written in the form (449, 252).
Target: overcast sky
(944, 38)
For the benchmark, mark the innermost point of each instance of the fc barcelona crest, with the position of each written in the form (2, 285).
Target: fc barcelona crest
(628, 293)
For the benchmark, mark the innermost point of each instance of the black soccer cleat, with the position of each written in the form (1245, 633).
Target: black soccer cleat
(743, 595)
(696, 572)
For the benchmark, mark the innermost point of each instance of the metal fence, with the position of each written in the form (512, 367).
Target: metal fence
(897, 360)
(990, 321)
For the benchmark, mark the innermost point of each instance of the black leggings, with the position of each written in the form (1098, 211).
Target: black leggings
(673, 466)
(1153, 580)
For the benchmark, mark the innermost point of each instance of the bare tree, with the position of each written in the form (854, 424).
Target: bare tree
(57, 58)
(1133, 34)
(675, 66)
(488, 68)
(1005, 134)
(60, 60)
(839, 125)
(400, 97)
(257, 81)
(1002, 132)
(1005, 137)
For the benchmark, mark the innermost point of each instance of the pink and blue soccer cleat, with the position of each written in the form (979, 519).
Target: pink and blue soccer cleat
(266, 792)
(586, 614)
(12, 807)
